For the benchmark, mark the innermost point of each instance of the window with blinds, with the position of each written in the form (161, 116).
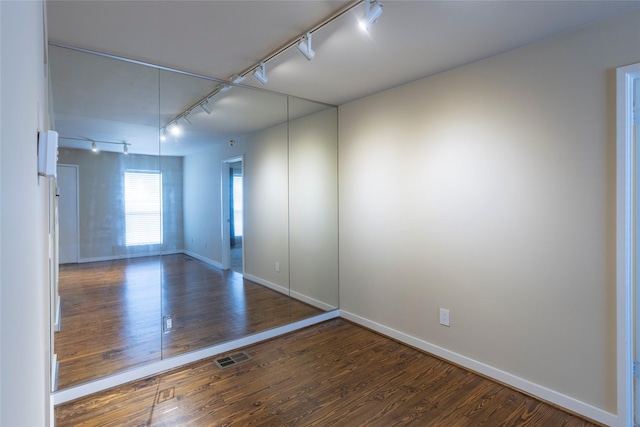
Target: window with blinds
(143, 207)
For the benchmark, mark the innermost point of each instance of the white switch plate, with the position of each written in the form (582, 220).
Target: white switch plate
(277, 267)
(444, 317)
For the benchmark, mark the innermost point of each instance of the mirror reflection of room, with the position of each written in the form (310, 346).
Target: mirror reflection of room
(172, 242)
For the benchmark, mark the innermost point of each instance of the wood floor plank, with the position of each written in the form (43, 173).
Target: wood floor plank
(331, 374)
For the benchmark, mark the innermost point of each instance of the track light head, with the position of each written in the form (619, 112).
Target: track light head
(237, 79)
(304, 47)
(175, 129)
(372, 13)
(205, 107)
(125, 149)
(186, 120)
(261, 74)
(94, 147)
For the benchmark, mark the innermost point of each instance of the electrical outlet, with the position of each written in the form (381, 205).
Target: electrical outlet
(444, 317)
(167, 324)
(277, 266)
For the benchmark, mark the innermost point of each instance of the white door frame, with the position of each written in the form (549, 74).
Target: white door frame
(625, 236)
(224, 215)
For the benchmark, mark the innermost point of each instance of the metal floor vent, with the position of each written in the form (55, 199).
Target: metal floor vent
(166, 394)
(234, 359)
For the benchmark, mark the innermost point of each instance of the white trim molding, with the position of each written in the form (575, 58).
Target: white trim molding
(293, 294)
(625, 234)
(155, 368)
(210, 262)
(518, 383)
(274, 286)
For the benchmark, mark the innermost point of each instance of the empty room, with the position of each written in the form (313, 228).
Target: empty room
(318, 212)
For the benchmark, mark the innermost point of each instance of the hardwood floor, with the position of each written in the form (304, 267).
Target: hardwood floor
(334, 373)
(112, 312)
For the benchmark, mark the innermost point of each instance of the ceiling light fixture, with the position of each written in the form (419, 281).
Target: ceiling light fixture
(205, 107)
(186, 120)
(175, 129)
(372, 11)
(163, 134)
(236, 78)
(94, 143)
(261, 74)
(304, 47)
(302, 42)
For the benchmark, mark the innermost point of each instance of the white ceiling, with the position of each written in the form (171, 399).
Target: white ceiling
(412, 39)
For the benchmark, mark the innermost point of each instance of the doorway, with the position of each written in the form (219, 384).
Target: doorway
(233, 215)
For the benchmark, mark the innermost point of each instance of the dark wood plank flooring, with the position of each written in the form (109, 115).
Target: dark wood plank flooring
(112, 312)
(331, 374)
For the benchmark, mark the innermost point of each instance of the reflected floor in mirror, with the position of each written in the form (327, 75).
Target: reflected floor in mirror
(111, 313)
(331, 374)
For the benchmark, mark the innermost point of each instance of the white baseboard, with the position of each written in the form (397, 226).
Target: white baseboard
(293, 294)
(155, 368)
(270, 285)
(529, 387)
(56, 324)
(207, 261)
(312, 301)
(54, 371)
(125, 256)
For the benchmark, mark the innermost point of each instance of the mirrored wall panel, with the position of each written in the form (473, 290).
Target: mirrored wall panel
(190, 212)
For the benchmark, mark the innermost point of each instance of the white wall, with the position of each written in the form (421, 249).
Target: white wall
(24, 304)
(489, 190)
(202, 211)
(101, 202)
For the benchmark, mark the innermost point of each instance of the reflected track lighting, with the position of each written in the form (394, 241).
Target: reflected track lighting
(205, 107)
(186, 120)
(304, 47)
(125, 149)
(261, 74)
(237, 79)
(175, 129)
(373, 10)
(372, 13)
(94, 147)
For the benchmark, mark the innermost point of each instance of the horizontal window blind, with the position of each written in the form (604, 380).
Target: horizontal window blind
(143, 207)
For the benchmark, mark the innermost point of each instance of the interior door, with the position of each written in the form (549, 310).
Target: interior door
(68, 214)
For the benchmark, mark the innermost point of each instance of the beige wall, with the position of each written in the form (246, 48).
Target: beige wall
(489, 190)
(313, 208)
(24, 297)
